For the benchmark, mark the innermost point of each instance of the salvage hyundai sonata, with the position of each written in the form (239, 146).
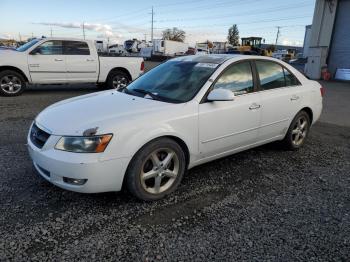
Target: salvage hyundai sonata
(183, 113)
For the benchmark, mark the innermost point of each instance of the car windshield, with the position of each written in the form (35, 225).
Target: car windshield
(173, 81)
(28, 45)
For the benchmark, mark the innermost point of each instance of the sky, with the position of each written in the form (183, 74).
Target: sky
(121, 20)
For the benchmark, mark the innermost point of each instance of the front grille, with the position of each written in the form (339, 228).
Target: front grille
(38, 136)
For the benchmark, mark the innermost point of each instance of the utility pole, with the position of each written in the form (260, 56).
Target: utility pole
(84, 30)
(50, 31)
(278, 34)
(145, 37)
(152, 25)
(19, 36)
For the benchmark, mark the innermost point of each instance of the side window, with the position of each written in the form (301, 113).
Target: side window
(291, 80)
(51, 48)
(238, 78)
(76, 48)
(271, 75)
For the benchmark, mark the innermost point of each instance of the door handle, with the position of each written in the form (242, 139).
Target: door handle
(58, 59)
(294, 97)
(90, 60)
(254, 106)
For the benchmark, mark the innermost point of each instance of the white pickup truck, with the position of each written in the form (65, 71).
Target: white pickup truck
(63, 60)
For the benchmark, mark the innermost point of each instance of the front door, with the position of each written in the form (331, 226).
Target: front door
(228, 125)
(47, 63)
(82, 65)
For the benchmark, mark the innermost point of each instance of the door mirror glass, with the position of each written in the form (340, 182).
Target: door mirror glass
(220, 95)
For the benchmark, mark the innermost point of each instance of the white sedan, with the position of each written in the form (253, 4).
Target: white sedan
(183, 113)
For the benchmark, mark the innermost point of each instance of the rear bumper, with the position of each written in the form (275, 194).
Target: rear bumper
(55, 166)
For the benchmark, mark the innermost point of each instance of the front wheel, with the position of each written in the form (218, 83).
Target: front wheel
(297, 132)
(11, 83)
(156, 170)
(117, 80)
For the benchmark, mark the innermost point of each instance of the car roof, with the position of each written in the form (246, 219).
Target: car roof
(212, 58)
(62, 38)
(221, 58)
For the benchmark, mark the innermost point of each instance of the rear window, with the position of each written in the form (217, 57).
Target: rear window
(76, 48)
(273, 75)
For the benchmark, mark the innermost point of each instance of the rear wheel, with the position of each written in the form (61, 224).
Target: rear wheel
(156, 170)
(117, 80)
(11, 83)
(297, 132)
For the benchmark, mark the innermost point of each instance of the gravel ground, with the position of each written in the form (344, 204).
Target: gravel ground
(262, 204)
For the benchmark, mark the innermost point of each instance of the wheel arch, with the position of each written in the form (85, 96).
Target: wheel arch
(16, 69)
(308, 110)
(122, 69)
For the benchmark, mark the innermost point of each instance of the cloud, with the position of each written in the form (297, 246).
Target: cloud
(6, 36)
(290, 42)
(104, 29)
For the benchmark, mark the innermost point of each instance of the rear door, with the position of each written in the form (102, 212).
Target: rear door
(280, 94)
(47, 63)
(82, 64)
(228, 125)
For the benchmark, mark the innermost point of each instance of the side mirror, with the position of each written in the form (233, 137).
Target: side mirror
(220, 95)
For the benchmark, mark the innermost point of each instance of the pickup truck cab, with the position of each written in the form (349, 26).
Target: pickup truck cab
(64, 60)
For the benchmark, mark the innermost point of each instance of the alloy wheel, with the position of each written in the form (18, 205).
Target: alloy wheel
(300, 130)
(159, 171)
(10, 84)
(120, 82)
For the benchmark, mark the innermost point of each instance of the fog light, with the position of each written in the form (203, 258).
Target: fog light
(74, 181)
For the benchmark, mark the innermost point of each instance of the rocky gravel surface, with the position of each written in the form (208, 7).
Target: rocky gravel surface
(264, 204)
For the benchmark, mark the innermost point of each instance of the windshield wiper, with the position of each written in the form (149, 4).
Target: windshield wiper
(153, 96)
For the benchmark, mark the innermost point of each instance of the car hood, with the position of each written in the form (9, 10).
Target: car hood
(104, 110)
(10, 56)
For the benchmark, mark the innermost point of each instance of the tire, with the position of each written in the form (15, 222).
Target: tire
(143, 174)
(117, 80)
(11, 83)
(297, 132)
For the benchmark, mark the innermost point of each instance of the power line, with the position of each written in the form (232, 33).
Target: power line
(252, 12)
(245, 23)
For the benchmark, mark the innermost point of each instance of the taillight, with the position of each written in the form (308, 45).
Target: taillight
(322, 91)
(142, 68)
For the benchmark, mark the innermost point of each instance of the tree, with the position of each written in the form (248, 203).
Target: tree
(210, 44)
(174, 34)
(233, 35)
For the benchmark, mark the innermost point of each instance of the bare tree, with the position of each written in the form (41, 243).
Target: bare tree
(174, 34)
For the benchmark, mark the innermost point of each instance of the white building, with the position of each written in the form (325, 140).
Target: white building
(329, 42)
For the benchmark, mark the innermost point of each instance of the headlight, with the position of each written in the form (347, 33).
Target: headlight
(91, 144)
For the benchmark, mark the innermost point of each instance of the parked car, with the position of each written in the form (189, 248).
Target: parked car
(63, 60)
(183, 113)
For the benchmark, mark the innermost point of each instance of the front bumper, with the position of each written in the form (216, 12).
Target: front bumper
(55, 165)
